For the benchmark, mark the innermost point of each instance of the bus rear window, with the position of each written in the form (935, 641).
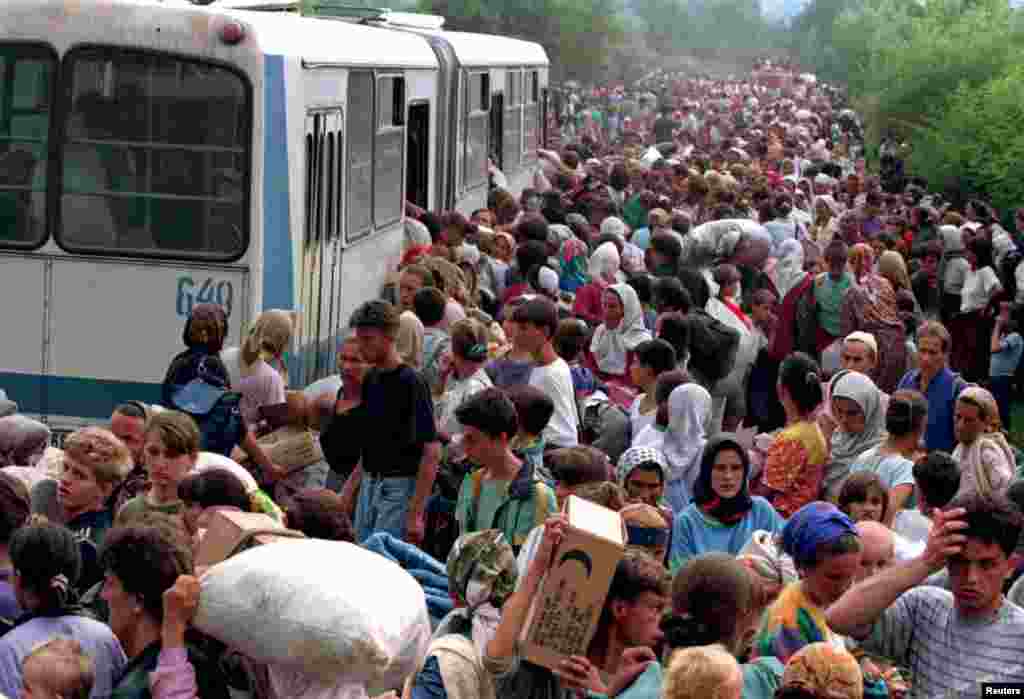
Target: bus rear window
(155, 156)
(27, 85)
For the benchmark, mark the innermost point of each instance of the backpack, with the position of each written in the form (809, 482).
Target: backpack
(713, 346)
(222, 428)
(215, 409)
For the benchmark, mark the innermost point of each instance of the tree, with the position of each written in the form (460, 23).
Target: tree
(577, 34)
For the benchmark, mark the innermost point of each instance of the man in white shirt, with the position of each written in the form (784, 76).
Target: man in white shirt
(536, 323)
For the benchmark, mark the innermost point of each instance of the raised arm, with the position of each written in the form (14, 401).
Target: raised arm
(856, 611)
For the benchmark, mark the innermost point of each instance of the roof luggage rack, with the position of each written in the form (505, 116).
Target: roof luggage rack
(331, 9)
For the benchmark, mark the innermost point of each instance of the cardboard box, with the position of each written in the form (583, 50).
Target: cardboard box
(564, 615)
(231, 530)
(294, 448)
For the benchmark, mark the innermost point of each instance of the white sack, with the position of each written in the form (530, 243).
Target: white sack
(330, 609)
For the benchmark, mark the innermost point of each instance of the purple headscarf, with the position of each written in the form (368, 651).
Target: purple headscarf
(814, 524)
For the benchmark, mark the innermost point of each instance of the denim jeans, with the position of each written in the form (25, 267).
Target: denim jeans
(1002, 390)
(383, 506)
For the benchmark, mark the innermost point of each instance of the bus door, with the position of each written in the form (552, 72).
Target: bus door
(495, 146)
(320, 283)
(417, 173)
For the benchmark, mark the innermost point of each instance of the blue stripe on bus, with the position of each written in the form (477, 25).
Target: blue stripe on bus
(93, 399)
(278, 284)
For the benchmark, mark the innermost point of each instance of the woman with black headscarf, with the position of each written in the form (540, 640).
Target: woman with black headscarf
(723, 515)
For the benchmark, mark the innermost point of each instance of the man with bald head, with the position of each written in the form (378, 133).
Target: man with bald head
(877, 548)
(882, 547)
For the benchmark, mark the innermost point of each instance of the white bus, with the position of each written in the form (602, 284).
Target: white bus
(156, 155)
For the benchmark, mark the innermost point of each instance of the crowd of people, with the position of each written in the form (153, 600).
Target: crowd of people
(790, 377)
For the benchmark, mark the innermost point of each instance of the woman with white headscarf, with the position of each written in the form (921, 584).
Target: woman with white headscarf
(689, 412)
(603, 272)
(622, 330)
(789, 272)
(857, 410)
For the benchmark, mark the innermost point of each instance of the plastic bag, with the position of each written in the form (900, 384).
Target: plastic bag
(329, 609)
(717, 240)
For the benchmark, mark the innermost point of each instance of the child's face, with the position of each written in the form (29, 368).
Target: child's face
(35, 681)
(641, 375)
(761, 312)
(870, 510)
(645, 486)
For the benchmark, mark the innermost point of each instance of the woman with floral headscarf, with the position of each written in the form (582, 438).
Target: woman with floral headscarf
(870, 306)
(482, 575)
(572, 260)
(723, 515)
(987, 462)
(822, 670)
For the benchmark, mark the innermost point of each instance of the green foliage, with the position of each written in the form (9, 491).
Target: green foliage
(578, 34)
(974, 142)
(944, 76)
(706, 27)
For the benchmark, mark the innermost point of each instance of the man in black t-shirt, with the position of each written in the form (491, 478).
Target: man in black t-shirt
(400, 449)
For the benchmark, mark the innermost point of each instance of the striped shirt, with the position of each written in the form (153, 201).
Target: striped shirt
(949, 656)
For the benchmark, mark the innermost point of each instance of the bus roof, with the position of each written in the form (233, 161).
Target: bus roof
(333, 42)
(488, 50)
(275, 33)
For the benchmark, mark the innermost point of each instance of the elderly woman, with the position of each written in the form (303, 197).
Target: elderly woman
(482, 575)
(987, 462)
(870, 306)
(22, 440)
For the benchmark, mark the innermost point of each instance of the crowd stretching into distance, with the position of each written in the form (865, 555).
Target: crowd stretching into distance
(791, 377)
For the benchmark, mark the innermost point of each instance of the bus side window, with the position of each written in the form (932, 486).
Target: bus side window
(156, 156)
(389, 151)
(359, 166)
(27, 82)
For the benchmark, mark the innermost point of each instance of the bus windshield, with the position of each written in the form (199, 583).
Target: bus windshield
(26, 96)
(155, 155)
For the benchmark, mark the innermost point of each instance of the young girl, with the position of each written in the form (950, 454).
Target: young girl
(864, 497)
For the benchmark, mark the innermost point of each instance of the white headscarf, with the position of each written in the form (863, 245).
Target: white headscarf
(604, 263)
(547, 279)
(611, 345)
(689, 411)
(789, 270)
(614, 226)
(847, 446)
(416, 234)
